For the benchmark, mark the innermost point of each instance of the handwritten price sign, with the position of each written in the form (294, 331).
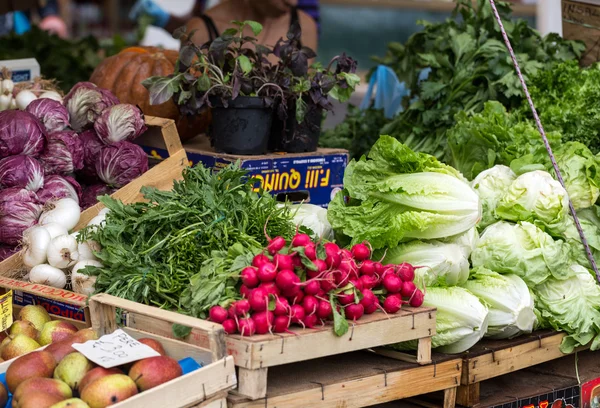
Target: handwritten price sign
(115, 349)
(6, 310)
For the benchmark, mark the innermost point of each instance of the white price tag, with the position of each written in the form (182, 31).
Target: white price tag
(115, 349)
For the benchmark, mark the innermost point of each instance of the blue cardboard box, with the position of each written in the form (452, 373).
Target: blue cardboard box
(309, 177)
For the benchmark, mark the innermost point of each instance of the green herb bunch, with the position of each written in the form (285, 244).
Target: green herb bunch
(183, 249)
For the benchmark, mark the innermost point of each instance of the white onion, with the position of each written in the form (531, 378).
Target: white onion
(24, 98)
(13, 104)
(48, 275)
(55, 230)
(7, 86)
(36, 240)
(51, 95)
(65, 212)
(83, 284)
(86, 250)
(62, 252)
(97, 220)
(5, 101)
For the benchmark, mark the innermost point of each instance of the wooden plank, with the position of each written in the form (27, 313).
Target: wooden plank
(424, 350)
(499, 361)
(252, 383)
(370, 331)
(352, 380)
(450, 397)
(468, 395)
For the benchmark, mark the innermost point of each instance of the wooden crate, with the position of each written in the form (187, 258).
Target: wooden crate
(494, 358)
(72, 305)
(357, 379)
(204, 387)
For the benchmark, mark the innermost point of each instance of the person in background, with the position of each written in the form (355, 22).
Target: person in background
(20, 21)
(170, 22)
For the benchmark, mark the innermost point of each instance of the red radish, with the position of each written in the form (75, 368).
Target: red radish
(324, 309)
(354, 311)
(295, 297)
(229, 326)
(296, 261)
(367, 268)
(388, 271)
(408, 288)
(310, 304)
(282, 261)
(310, 320)
(297, 314)
(267, 272)
(286, 280)
(417, 299)
(378, 268)
(260, 259)
(321, 294)
(372, 309)
(310, 250)
(369, 282)
(321, 265)
(271, 288)
(231, 312)
(246, 327)
(349, 266)
(249, 277)
(341, 278)
(346, 298)
(241, 307)
(361, 252)
(310, 274)
(345, 254)
(276, 245)
(259, 299)
(301, 240)
(332, 252)
(245, 291)
(313, 287)
(357, 283)
(392, 304)
(328, 282)
(281, 324)
(263, 321)
(282, 307)
(406, 272)
(217, 314)
(368, 298)
(392, 283)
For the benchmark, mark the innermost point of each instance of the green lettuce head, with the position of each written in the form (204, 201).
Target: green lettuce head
(491, 185)
(581, 173)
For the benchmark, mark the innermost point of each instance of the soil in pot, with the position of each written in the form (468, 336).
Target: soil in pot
(243, 127)
(297, 137)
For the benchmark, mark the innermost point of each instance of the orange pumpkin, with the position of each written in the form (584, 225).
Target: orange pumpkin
(123, 75)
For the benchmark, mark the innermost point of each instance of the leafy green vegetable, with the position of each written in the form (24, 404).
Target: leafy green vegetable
(183, 249)
(509, 300)
(469, 66)
(491, 185)
(524, 250)
(397, 194)
(340, 324)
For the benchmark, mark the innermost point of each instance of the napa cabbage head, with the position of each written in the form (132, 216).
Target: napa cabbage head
(572, 305)
(396, 195)
(439, 264)
(491, 185)
(511, 308)
(524, 250)
(467, 241)
(537, 198)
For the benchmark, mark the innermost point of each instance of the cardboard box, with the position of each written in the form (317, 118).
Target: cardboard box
(581, 21)
(310, 177)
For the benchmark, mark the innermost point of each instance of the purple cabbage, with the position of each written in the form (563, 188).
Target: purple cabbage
(90, 194)
(20, 133)
(63, 153)
(86, 102)
(6, 251)
(16, 216)
(120, 163)
(18, 194)
(21, 171)
(56, 187)
(53, 115)
(91, 147)
(123, 122)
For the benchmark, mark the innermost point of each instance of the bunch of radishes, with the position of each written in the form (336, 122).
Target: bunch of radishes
(306, 284)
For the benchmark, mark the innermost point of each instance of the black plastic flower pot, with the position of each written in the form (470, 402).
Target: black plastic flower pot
(297, 137)
(243, 127)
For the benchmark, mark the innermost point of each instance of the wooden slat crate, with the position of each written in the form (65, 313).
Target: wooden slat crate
(357, 379)
(204, 387)
(493, 358)
(72, 305)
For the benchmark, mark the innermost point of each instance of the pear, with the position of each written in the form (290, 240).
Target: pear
(38, 399)
(72, 369)
(23, 327)
(109, 390)
(47, 385)
(96, 373)
(3, 395)
(19, 345)
(37, 364)
(151, 372)
(62, 348)
(35, 314)
(71, 403)
(56, 330)
(154, 344)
